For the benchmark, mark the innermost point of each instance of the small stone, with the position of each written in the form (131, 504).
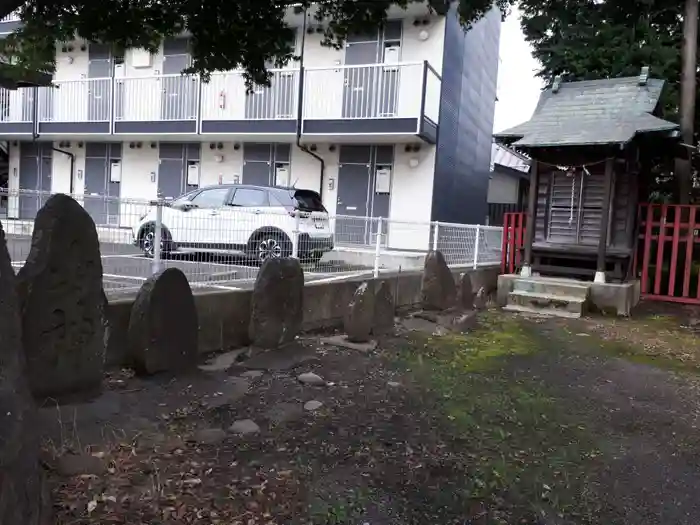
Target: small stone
(252, 374)
(163, 333)
(284, 413)
(244, 427)
(341, 341)
(466, 292)
(309, 378)
(222, 362)
(277, 303)
(466, 322)
(393, 384)
(231, 391)
(438, 289)
(80, 464)
(312, 405)
(383, 310)
(209, 436)
(359, 316)
(480, 300)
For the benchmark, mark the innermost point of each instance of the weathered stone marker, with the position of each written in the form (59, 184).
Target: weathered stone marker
(438, 289)
(383, 310)
(466, 292)
(62, 302)
(163, 327)
(277, 303)
(23, 496)
(359, 315)
(481, 299)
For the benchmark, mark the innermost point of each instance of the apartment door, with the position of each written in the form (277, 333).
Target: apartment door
(175, 159)
(102, 178)
(360, 82)
(34, 177)
(99, 73)
(353, 186)
(261, 162)
(179, 100)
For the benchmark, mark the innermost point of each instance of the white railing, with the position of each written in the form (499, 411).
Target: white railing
(375, 91)
(16, 105)
(12, 17)
(433, 88)
(88, 100)
(225, 97)
(156, 98)
(363, 92)
(219, 247)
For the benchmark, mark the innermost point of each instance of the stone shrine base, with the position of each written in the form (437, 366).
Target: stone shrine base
(566, 297)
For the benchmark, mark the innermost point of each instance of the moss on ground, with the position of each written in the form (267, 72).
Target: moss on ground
(656, 340)
(526, 454)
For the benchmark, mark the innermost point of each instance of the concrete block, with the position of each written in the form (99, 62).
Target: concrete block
(548, 304)
(615, 298)
(558, 287)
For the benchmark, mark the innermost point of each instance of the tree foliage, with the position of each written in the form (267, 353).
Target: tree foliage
(590, 39)
(224, 34)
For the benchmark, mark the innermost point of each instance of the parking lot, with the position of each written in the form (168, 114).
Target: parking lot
(125, 268)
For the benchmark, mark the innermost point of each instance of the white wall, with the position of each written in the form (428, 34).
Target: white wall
(212, 171)
(139, 181)
(68, 100)
(503, 189)
(61, 170)
(411, 199)
(306, 171)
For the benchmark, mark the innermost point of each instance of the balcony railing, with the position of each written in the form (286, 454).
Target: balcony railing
(363, 92)
(376, 91)
(224, 97)
(12, 17)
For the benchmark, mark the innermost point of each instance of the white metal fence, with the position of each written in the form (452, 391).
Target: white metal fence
(222, 247)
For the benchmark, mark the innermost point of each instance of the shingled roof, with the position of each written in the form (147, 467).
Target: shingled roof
(591, 112)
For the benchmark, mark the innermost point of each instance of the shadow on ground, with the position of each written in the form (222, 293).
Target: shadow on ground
(523, 421)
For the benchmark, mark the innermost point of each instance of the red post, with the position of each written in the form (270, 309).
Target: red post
(660, 250)
(647, 247)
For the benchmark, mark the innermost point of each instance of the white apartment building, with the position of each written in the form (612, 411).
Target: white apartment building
(390, 126)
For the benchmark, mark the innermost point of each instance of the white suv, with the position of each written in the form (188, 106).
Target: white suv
(256, 221)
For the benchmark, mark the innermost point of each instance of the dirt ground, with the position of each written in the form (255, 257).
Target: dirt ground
(521, 421)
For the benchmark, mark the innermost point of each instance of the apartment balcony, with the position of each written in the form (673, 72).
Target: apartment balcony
(337, 102)
(375, 99)
(9, 23)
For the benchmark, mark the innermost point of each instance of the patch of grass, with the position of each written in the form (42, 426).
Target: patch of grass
(525, 453)
(657, 340)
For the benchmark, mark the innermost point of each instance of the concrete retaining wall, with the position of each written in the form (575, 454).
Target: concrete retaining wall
(224, 314)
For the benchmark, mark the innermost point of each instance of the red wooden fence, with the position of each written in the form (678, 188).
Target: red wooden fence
(513, 241)
(667, 261)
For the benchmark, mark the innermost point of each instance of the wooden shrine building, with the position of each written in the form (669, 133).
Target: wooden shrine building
(588, 142)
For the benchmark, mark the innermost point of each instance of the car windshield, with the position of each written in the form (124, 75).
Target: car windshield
(308, 200)
(187, 197)
(303, 200)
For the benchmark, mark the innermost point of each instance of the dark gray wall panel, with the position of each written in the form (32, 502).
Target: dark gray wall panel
(468, 102)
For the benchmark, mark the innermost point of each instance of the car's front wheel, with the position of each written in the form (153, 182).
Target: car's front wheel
(148, 241)
(272, 245)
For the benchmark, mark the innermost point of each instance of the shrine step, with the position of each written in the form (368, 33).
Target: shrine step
(552, 286)
(546, 304)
